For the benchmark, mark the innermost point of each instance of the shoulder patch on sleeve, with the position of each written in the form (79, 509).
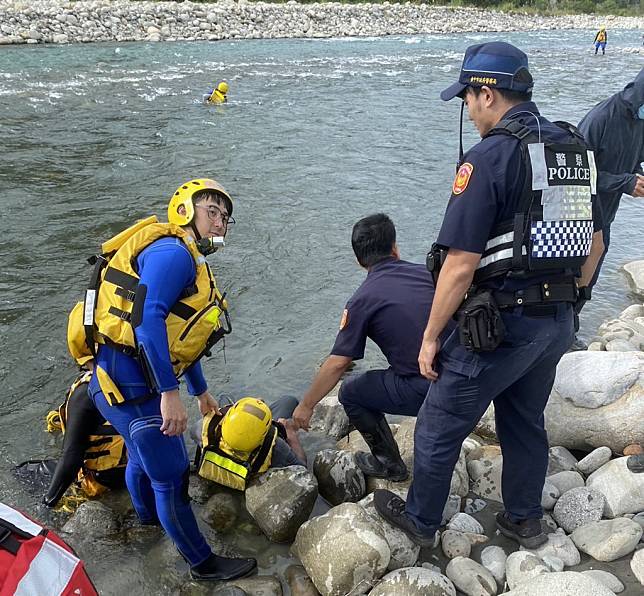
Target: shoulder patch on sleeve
(344, 321)
(462, 178)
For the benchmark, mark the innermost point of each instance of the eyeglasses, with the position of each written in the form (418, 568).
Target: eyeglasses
(215, 213)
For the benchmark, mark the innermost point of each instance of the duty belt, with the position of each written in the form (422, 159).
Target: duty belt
(544, 293)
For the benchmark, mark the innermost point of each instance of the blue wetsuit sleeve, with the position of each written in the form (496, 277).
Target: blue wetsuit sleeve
(195, 380)
(472, 208)
(165, 269)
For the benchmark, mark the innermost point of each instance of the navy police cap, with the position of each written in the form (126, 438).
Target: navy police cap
(495, 64)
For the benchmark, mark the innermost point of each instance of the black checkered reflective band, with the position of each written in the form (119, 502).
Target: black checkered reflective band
(556, 239)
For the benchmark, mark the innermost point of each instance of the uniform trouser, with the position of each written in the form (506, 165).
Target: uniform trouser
(157, 473)
(382, 391)
(518, 376)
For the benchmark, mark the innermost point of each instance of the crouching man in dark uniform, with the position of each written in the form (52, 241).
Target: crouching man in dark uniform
(391, 307)
(521, 235)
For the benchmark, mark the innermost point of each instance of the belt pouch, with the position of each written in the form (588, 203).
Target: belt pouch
(480, 325)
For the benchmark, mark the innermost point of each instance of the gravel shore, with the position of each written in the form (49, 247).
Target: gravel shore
(59, 21)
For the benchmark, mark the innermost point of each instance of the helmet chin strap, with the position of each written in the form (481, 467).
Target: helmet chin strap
(193, 227)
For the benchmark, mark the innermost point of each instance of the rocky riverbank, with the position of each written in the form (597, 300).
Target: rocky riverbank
(593, 503)
(60, 21)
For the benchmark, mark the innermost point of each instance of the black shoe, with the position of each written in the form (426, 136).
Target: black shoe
(392, 508)
(216, 568)
(370, 466)
(635, 463)
(528, 532)
(384, 460)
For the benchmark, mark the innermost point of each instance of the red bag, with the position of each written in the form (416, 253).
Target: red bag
(36, 562)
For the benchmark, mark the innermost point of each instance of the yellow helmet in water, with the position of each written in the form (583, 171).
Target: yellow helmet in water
(602, 28)
(222, 87)
(246, 424)
(184, 195)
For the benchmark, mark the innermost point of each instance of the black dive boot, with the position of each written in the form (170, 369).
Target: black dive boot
(216, 568)
(384, 461)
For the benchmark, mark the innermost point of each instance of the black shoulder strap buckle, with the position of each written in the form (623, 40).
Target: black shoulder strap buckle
(511, 127)
(572, 129)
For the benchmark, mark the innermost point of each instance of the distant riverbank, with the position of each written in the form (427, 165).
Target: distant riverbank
(59, 21)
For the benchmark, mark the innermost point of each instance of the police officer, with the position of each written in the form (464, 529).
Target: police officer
(390, 307)
(521, 239)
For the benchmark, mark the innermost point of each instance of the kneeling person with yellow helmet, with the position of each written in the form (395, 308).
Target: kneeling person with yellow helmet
(151, 311)
(244, 440)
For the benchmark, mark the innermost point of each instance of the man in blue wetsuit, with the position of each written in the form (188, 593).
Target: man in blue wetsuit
(519, 236)
(390, 307)
(156, 310)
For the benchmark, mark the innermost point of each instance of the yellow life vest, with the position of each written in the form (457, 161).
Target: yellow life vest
(106, 450)
(217, 97)
(601, 36)
(231, 468)
(113, 305)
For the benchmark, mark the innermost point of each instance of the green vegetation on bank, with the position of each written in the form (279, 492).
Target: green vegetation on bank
(549, 7)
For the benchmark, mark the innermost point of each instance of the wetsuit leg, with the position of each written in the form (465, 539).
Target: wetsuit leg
(82, 420)
(157, 474)
(137, 481)
(165, 461)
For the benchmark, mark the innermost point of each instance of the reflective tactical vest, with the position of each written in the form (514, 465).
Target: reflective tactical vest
(552, 228)
(227, 467)
(35, 561)
(113, 306)
(106, 451)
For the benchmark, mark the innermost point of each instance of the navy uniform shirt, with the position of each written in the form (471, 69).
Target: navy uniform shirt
(391, 307)
(489, 184)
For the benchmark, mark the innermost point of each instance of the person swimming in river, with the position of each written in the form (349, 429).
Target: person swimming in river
(218, 95)
(601, 39)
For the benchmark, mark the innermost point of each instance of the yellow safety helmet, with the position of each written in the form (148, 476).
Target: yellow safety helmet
(222, 87)
(185, 193)
(246, 424)
(602, 28)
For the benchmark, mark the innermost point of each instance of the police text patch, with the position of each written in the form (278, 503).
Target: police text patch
(462, 178)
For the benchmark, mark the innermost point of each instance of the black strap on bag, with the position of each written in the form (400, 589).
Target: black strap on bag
(480, 326)
(7, 540)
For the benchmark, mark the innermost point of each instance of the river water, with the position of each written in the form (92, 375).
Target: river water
(316, 134)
